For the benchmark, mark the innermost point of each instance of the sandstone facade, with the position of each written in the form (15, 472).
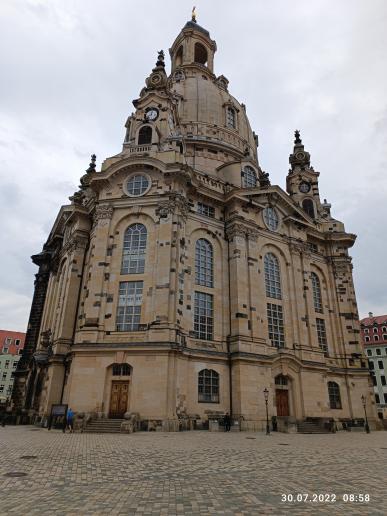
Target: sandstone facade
(182, 283)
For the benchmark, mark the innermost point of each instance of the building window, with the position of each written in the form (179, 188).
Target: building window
(366, 330)
(4, 376)
(17, 342)
(375, 330)
(334, 395)
(276, 325)
(6, 365)
(378, 351)
(249, 177)
(272, 276)
(384, 329)
(271, 218)
(137, 185)
(385, 397)
(1, 388)
(367, 339)
(308, 207)
(208, 386)
(200, 54)
(384, 337)
(369, 352)
(317, 298)
(231, 117)
(205, 209)
(121, 369)
(281, 380)
(374, 383)
(383, 379)
(145, 135)
(376, 338)
(129, 305)
(203, 316)
(371, 365)
(204, 263)
(380, 364)
(133, 255)
(321, 334)
(377, 399)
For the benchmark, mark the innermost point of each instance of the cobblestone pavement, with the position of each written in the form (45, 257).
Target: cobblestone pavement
(189, 473)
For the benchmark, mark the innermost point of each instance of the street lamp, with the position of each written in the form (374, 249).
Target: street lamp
(364, 401)
(266, 395)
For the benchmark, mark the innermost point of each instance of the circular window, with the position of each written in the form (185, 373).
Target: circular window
(271, 218)
(137, 185)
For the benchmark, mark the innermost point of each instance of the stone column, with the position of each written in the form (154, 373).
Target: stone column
(43, 260)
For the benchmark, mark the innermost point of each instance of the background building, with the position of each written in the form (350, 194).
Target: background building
(179, 283)
(374, 338)
(11, 346)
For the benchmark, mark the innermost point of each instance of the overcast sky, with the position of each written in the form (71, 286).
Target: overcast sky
(70, 69)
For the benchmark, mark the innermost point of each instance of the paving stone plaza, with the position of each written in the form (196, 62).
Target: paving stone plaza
(190, 473)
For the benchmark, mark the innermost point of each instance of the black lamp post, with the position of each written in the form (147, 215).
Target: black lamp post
(266, 395)
(364, 401)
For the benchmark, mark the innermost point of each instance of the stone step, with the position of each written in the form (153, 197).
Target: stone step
(104, 426)
(308, 427)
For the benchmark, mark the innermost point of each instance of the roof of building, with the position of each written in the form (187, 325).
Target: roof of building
(370, 321)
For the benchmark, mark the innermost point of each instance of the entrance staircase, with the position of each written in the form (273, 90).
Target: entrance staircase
(104, 426)
(311, 427)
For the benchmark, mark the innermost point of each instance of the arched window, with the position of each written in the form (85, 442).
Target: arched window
(281, 380)
(316, 288)
(145, 135)
(230, 117)
(179, 57)
(308, 207)
(249, 177)
(121, 369)
(208, 386)
(204, 263)
(272, 276)
(200, 54)
(334, 395)
(133, 255)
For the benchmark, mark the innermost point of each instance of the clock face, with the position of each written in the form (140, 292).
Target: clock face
(152, 114)
(304, 187)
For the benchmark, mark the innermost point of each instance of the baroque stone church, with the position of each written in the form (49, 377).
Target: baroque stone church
(179, 284)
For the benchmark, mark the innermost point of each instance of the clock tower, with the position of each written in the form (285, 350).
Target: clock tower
(302, 180)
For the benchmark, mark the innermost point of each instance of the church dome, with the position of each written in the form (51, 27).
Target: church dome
(207, 111)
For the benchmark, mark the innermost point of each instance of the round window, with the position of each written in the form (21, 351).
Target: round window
(271, 218)
(137, 185)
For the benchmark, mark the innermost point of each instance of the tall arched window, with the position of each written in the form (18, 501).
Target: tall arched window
(230, 117)
(133, 255)
(204, 263)
(272, 276)
(208, 386)
(308, 206)
(200, 54)
(145, 135)
(249, 177)
(316, 288)
(334, 395)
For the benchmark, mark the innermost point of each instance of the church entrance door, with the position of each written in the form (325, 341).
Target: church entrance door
(282, 402)
(119, 399)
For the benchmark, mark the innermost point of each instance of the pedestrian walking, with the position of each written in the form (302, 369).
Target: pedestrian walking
(227, 422)
(70, 420)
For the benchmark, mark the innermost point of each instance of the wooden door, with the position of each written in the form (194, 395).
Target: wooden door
(282, 402)
(119, 399)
